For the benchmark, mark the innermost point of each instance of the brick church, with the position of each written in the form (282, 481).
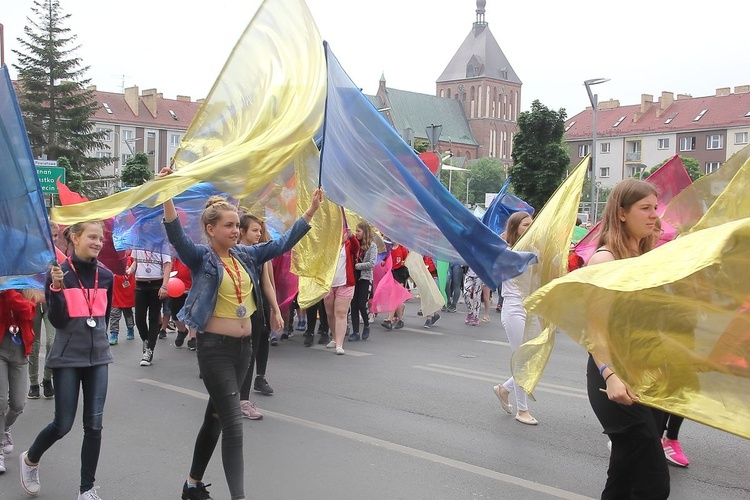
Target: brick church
(477, 100)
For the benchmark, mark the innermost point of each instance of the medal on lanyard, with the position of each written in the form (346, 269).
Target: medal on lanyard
(241, 309)
(87, 294)
(125, 283)
(13, 329)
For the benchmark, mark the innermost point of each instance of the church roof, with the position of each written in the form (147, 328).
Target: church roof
(418, 111)
(481, 50)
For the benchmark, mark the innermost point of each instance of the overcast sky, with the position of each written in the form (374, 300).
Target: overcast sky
(179, 47)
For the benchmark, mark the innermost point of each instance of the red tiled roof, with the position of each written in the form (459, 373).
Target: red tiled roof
(722, 112)
(121, 112)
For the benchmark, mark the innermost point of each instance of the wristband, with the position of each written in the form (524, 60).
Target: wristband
(52, 287)
(601, 370)
(163, 287)
(607, 377)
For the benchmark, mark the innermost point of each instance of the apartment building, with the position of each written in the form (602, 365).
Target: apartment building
(634, 138)
(140, 123)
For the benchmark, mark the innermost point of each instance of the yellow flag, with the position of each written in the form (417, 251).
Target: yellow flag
(674, 323)
(262, 111)
(314, 258)
(549, 236)
(733, 202)
(688, 207)
(430, 298)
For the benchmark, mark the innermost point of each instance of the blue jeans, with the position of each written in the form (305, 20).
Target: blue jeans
(93, 380)
(223, 363)
(453, 283)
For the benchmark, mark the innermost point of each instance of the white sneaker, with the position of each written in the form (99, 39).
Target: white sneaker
(148, 356)
(2, 463)
(340, 350)
(331, 345)
(29, 476)
(89, 495)
(7, 442)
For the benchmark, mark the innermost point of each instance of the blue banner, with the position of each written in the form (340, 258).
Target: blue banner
(502, 207)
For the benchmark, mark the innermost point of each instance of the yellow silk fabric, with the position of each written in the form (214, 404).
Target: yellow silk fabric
(314, 258)
(430, 298)
(549, 236)
(674, 323)
(261, 113)
(733, 203)
(690, 206)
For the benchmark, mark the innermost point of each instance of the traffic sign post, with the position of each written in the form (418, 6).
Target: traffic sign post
(48, 173)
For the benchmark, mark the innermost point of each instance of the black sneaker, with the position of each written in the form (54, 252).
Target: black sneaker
(198, 493)
(284, 336)
(180, 338)
(33, 392)
(353, 337)
(49, 390)
(428, 323)
(262, 386)
(191, 344)
(162, 334)
(366, 333)
(435, 317)
(387, 325)
(308, 340)
(324, 339)
(398, 324)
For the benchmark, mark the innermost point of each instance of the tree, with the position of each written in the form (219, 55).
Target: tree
(539, 155)
(421, 146)
(692, 166)
(136, 170)
(487, 176)
(56, 106)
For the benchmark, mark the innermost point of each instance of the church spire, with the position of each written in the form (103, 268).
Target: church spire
(481, 4)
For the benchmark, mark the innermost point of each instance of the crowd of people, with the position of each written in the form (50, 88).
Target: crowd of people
(226, 308)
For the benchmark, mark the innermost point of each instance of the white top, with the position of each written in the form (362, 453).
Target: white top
(511, 293)
(150, 264)
(339, 279)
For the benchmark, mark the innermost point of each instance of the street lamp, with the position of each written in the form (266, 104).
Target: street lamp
(468, 180)
(594, 98)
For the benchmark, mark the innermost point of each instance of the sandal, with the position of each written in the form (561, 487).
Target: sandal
(528, 420)
(485, 319)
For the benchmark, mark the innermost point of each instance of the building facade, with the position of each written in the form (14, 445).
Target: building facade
(634, 138)
(140, 123)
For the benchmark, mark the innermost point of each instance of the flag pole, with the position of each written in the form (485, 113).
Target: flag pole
(325, 114)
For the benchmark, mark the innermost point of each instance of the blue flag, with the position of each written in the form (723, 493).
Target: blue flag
(24, 227)
(368, 168)
(502, 207)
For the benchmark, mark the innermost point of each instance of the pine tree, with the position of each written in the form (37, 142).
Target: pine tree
(56, 106)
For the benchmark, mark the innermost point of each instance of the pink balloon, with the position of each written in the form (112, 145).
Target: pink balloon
(175, 287)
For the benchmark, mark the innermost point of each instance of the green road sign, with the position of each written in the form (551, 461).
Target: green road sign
(48, 176)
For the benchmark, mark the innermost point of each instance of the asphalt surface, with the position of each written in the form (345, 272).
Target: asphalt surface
(408, 414)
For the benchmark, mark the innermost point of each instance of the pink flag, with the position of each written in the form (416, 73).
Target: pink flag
(286, 282)
(669, 180)
(389, 294)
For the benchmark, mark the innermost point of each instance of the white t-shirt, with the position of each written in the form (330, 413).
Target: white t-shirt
(339, 279)
(150, 264)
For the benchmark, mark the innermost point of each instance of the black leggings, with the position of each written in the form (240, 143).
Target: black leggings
(147, 302)
(259, 339)
(312, 317)
(673, 426)
(359, 304)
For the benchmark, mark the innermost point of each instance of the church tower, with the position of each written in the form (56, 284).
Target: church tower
(480, 76)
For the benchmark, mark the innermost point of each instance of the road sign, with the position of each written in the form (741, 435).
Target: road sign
(48, 173)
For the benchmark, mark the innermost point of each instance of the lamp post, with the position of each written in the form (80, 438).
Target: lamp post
(594, 99)
(468, 180)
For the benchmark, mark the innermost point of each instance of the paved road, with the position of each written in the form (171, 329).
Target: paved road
(408, 414)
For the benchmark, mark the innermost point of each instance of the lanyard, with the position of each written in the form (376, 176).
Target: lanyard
(86, 292)
(237, 282)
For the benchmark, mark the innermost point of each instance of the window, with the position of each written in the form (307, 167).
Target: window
(634, 146)
(127, 135)
(152, 135)
(584, 149)
(618, 122)
(125, 157)
(633, 171)
(106, 108)
(103, 154)
(712, 165)
(740, 138)
(700, 115)
(715, 141)
(663, 144)
(570, 125)
(669, 120)
(107, 134)
(603, 171)
(174, 140)
(604, 148)
(687, 143)
(174, 115)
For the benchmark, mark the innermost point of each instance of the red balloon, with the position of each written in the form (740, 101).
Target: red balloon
(175, 287)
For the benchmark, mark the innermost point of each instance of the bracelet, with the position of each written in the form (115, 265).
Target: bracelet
(604, 367)
(607, 377)
(164, 287)
(52, 287)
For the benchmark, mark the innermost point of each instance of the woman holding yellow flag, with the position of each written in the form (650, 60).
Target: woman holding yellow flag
(637, 466)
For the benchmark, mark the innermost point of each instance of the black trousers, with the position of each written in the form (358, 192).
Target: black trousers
(312, 318)
(359, 304)
(147, 303)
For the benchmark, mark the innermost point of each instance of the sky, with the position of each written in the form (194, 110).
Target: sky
(644, 47)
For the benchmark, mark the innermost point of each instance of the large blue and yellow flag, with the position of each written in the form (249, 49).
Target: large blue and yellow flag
(368, 168)
(24, 228)
(673, 323)
(260, 115)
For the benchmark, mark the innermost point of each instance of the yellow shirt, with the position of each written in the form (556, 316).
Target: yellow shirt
(226, 302)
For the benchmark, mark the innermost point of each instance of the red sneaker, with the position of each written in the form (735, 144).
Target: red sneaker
(673, 452)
